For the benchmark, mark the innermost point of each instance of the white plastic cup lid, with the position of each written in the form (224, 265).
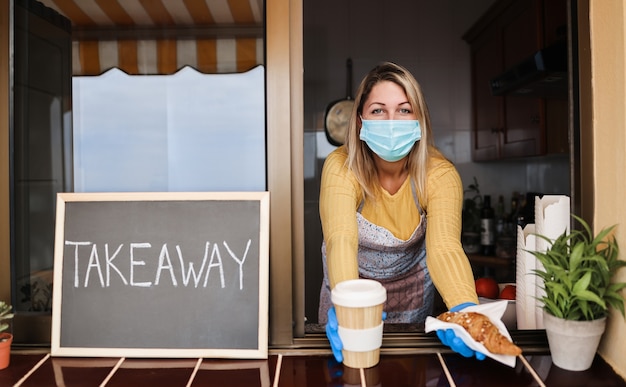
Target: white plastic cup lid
(358, 293)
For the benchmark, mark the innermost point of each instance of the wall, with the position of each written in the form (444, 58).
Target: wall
(608, 88)
(425, 37)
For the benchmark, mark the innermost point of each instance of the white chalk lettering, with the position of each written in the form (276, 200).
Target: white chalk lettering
(76, 244)
(134, 258)
(109, 260)
(215, 253)
(134, 263)
(165, 255)
(238, 261)
(94, 262)
(191, 271)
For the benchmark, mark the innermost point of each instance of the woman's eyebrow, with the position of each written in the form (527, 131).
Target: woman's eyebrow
(384, 104)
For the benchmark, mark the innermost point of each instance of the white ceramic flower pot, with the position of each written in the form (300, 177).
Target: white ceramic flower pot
(573, 344)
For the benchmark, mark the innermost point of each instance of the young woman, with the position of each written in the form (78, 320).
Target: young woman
(390, 206)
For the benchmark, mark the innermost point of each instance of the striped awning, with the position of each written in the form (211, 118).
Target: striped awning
(162, 36)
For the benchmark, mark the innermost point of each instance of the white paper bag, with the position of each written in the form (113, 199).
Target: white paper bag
(525, 279)
(552, 219)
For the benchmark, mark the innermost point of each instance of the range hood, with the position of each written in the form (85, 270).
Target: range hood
(542, 75)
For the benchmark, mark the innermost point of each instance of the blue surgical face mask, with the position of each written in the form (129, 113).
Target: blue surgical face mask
(390, 139)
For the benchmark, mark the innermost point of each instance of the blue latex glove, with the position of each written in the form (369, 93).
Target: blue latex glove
(332, 332)
(449, 338)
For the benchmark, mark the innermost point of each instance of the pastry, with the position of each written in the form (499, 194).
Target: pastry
(483, 331)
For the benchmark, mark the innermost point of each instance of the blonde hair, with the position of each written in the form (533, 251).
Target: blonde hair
(360, 159)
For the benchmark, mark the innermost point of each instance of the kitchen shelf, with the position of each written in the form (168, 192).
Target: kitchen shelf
(502, 269)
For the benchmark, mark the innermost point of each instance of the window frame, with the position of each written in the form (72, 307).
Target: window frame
(284, 123)
(284, 53)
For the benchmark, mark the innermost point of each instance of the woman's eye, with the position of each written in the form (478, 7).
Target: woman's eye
(405, 111)
(377, 111)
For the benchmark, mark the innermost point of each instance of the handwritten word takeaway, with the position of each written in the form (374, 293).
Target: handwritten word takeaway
(107, 267)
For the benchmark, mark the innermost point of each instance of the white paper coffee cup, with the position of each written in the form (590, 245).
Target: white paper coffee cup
(359, 306)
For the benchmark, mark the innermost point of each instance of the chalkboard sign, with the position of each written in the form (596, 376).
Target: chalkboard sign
(161, 275)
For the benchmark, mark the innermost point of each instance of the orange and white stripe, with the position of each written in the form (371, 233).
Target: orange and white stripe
(233, 52)
(166, 56)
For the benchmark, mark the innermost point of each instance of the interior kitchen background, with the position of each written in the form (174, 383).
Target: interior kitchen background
(433, 39)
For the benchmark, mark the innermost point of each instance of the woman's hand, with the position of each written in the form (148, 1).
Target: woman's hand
(449, 338)
(332, 332)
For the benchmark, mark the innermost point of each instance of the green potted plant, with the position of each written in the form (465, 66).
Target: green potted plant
(5, 338)
(577, 269)
(470, 226)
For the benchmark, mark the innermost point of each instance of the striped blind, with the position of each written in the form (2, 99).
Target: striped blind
(162, 36)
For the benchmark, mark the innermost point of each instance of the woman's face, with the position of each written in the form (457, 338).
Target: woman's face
(387, 101)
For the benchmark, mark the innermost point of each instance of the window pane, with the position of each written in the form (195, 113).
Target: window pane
(182, 132)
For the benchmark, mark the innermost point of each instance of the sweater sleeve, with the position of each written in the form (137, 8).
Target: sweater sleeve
(447, 263)
(339, 198)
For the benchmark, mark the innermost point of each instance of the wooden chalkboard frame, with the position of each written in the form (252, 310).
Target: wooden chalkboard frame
(258, 352)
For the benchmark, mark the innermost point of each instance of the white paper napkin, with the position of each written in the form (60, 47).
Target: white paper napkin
(493, 310)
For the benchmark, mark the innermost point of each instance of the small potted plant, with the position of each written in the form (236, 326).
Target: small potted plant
(5, 338)
(577, 269)
(470, 226)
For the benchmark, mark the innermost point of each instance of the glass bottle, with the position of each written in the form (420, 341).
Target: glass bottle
(500, 217)
(487, 228)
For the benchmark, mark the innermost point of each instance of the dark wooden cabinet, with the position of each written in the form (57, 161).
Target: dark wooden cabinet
(554, 21)
(513, 126)
(487, 109)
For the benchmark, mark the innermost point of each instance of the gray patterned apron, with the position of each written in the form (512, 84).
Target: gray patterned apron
(397, 264)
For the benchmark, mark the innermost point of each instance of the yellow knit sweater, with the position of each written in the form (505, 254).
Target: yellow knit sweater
(340, 196)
